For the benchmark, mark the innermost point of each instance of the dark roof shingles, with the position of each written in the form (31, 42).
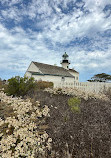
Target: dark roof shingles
(52, 70)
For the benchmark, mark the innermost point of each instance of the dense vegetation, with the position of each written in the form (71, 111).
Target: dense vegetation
(20, 86)
(77, 124)
(78, 127)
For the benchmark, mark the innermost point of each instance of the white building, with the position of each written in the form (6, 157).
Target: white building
(58, 75)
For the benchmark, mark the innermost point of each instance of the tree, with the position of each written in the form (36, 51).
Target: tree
(19, 86)
(103, 77)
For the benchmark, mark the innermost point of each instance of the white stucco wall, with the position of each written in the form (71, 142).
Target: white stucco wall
(57, 80)
(28, 74)
(32, 67)
(68, 81)
(74, 74)
(65, 65)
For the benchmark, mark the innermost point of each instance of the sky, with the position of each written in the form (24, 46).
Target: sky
(42, 30)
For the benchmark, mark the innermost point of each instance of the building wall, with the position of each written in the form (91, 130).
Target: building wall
(74, 74)
(57, 80)
(33, 67)
(65, 66)
(28, 74)
(69, 82)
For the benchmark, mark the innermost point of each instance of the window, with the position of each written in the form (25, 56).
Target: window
(76, 78)
(63, 78)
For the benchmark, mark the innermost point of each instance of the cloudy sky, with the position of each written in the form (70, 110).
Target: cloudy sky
(42, 30)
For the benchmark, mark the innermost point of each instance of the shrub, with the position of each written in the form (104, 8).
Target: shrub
(74, 104)
(44, 84)
(23, 133)
(19, 86)
(0, 84)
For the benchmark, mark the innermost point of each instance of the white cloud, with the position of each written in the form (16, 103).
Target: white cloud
(77, 25)
(10, 2)
(96, 5)
(21, 50)
(11, 13)
(20, 46)
(98, 61)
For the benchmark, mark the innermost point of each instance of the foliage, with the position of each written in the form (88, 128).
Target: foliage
(44, 84)
(103, 77)
(0, 84)
(74, 104)
(19, 86)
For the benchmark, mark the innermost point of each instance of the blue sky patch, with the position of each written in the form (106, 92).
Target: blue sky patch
(35, 30)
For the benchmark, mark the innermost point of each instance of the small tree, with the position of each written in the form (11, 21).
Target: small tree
(19, 86)
(103, 77)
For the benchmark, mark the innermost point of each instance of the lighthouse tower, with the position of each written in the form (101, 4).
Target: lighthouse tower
(65, 62)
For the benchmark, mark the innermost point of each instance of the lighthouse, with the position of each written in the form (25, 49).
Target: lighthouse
(65, 62)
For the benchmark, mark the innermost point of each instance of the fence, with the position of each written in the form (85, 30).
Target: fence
(92, 86)
(86, 86)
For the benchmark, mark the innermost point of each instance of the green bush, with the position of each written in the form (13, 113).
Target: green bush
(2, 84)
(19, 86)
(74, 104)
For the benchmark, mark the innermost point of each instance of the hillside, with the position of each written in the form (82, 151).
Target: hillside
(71, 133)
(78, 134)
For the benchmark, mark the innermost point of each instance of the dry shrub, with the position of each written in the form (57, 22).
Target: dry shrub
(6, 110)
(86, 133)
(1, 84)
(44, 84)
(23, 128)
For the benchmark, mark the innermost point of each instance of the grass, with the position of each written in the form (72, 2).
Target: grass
(74, 104)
